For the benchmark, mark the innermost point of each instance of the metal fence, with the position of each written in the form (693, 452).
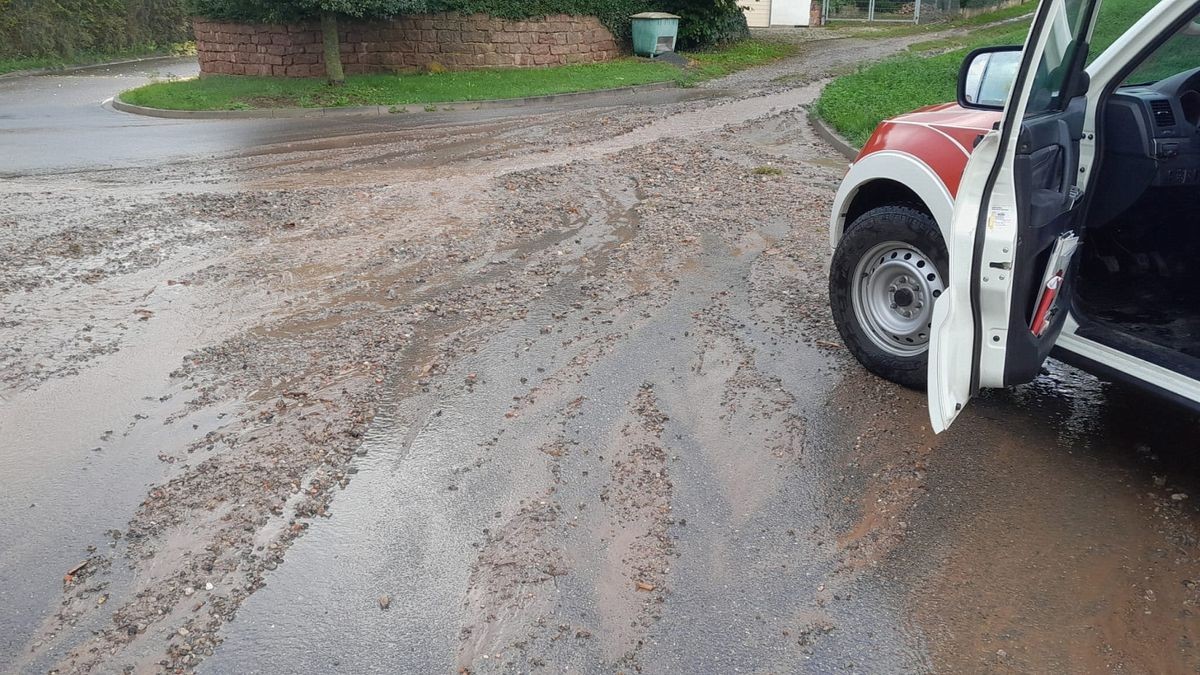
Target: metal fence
(908, 11)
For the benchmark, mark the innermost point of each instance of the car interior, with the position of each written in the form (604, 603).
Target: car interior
(1136, 288)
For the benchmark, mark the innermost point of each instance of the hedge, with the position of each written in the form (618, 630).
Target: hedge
(63, 28)
(705, 22)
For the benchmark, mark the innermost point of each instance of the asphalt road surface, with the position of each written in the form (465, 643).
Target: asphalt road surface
(549, 389)
(65, 122)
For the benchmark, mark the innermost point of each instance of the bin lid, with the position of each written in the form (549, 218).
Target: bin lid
(654, 15)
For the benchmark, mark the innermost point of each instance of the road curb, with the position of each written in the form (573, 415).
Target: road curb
(827, 134)
(385, 110)
(91, 66)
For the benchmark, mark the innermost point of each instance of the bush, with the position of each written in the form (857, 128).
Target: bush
(64, 28)
(708, 22)
(705, 22)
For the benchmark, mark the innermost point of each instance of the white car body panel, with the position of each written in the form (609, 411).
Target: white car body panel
(1163, 378)
(901, 167)
(950, 362)
(950, 356)
(950, 324)
(952, 345)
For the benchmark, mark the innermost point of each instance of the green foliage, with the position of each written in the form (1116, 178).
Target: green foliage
(704, 22)
(239, 92)
(282, 11)
(855, 104)
(1114, 18)
(10, 64)
(731, 58)
(66, 28)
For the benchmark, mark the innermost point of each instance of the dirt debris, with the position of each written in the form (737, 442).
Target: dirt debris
(316, 283)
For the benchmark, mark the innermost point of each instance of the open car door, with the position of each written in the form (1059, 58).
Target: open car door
(1014, 228)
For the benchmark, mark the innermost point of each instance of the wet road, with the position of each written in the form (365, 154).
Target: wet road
(60, 122)
(554, 390)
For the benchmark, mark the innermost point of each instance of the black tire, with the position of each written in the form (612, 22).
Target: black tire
(898, 223)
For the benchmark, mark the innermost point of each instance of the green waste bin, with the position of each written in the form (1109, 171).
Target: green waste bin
(654, 33)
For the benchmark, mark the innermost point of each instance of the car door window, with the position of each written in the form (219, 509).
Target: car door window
(1180, 53)
(1065, 28)
(1113, 19)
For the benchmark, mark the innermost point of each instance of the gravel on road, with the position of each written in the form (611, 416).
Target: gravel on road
(557, 390)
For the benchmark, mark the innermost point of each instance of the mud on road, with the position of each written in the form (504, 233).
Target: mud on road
(535, 393)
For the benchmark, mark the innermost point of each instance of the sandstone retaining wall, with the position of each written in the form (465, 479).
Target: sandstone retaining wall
(457, 42)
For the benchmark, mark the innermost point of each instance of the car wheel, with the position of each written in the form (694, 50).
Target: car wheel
(887, 272)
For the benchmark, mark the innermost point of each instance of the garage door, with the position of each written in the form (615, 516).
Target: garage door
(790, 12)
(758, 12)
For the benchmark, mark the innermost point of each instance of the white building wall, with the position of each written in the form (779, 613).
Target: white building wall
(790, 12)
(758, 12)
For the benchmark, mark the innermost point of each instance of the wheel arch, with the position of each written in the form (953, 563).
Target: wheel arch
(890, 177)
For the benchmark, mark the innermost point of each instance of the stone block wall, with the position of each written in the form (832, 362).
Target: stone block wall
(406, 44)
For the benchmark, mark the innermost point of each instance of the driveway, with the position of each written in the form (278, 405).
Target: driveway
(551, 389)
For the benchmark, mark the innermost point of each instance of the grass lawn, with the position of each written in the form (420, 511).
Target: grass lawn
(714, 63)
(884, 30)
(243, 93)
(13, 64)
(855, 104)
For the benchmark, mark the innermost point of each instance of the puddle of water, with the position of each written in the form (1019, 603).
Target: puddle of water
(80, 451)
(1046, 538)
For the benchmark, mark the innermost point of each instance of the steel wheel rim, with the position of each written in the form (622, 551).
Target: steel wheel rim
(895, 285)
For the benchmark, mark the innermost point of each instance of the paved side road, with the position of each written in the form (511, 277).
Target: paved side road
(546, 391)
(66, 122)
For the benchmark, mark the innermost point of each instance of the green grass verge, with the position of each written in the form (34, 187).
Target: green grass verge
(856, 103)
(888, 30)
(719, 62)
(18, 63)
(245, 93)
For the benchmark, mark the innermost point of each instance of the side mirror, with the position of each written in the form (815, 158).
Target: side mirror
(986, 77)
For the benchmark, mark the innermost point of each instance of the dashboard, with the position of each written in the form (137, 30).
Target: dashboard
(1151, 139)
(1159, 123)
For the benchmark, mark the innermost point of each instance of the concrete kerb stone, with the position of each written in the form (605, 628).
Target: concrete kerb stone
(385, 110)
(91, 66)
(833, 138)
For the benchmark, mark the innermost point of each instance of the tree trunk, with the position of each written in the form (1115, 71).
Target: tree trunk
(333, 49)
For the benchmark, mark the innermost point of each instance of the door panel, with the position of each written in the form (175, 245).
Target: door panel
(1005, 305)
(790, 12)
(1044, 169)
(758, 13)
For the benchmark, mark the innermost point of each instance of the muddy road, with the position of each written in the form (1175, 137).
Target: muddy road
(553, 390)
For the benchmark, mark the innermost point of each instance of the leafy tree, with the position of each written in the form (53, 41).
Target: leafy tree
(708, 22)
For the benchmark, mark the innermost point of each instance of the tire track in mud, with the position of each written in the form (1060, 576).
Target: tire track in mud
(321, 406)
(397, 283)
(514, 616)
(665, 220)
